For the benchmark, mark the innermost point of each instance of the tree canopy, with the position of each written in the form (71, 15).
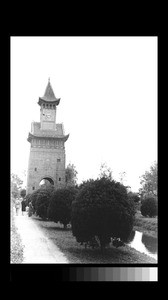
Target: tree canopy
(16, 184)
(105, 171)
(102, 210)
(70, 175)
(149, 182)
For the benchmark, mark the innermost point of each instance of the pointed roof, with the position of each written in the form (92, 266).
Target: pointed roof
(49, 95)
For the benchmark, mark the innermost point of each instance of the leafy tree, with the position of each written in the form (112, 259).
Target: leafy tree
(149, 207)
(101, 211)
(33, 198)
(16, 184)
(105, 171)
(59, 209)
(122, 176)
(42, 203)
(149, 182)
(134, 196)
(71, 175)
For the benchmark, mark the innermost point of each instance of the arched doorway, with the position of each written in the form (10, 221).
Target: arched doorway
(46, 182)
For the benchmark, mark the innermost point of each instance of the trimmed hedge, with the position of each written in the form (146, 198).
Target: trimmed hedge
(42, 203)
(149, 207)
(59, 209)
(33, 198)
(101, 211)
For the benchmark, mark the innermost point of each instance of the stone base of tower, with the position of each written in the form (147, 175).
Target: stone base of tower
(46, 164)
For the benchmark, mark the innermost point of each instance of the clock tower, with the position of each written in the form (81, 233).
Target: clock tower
(47, 145)
(48, 104)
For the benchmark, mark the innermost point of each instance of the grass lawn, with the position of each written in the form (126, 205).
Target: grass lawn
(146, 225)
(16, 247)
(76, 253)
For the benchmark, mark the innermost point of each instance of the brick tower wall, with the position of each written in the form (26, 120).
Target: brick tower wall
(43, 163)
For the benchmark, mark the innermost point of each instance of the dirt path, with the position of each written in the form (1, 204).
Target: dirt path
(37, 247)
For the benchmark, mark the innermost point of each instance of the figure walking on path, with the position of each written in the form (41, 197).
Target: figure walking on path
(17, 206)
(23, 204)
(30, 209)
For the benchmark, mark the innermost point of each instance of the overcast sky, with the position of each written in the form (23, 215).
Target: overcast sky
(108, 91)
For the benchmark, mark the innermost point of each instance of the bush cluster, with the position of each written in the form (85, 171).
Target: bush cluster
(134, 196)
(101, 211)
(59, 209)
(149, 207)
(40, 201)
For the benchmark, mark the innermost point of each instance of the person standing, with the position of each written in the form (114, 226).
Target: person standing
(17, 206)
(23, 204)
(30, 209)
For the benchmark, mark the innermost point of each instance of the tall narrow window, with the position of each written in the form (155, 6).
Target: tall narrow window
(59, 178)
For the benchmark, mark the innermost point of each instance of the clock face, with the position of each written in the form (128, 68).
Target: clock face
(48, 115)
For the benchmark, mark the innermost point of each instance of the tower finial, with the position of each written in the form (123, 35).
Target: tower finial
(48, 79)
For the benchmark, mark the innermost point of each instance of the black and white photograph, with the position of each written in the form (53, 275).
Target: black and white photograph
(83, 176)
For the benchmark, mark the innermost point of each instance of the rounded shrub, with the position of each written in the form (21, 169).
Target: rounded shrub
(101, 211)
(33, 198)
(59, 209)
(149, 207)
(42, 203)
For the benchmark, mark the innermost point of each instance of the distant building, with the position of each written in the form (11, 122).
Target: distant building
(47, 145)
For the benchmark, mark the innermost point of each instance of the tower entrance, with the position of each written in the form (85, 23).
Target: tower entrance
(46, 182)
(47, 146)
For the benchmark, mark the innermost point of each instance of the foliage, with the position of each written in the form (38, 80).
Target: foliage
(71, 175)
(105, 171)
(33, 198)
(42, 203)
(16, 184)
(60, 205)
(134, 196)
(23, 193)
(122, 176)
(149, 182)
(28, 199)
(101, 211)
(149, 207)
